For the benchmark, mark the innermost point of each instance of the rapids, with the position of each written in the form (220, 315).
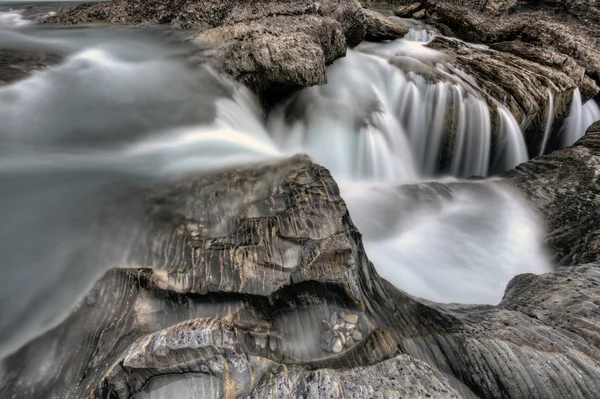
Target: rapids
(125, 109)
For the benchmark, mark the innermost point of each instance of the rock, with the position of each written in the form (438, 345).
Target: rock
(331, 341)
(16, 65)
(350, 318)
(349, 14)
(408, 10)
(399, 377)
(272, 46)
(380, 27)
(278, 55)
(356, 335)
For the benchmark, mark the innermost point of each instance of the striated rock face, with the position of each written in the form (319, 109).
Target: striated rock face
(244, 272)
(272, 46)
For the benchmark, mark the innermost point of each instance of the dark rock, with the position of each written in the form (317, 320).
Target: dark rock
(16, 65)
(380, 27)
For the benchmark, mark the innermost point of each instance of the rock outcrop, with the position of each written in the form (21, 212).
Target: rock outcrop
(243, 271)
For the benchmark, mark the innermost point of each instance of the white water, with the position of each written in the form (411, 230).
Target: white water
(126, 107)
(421, 35)
(12, 19)
(515, 151)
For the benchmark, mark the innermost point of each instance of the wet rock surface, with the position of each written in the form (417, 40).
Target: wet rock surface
(381, 27)
(268, 282)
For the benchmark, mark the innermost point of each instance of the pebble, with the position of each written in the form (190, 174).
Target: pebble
(350, 318)
(333, 319)
(337, 346)
(356, 335)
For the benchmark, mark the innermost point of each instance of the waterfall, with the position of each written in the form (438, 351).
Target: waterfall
(590, 113)
(515, 150)
(421, 35)
(549, 122)
(400, 115)
(581, 117)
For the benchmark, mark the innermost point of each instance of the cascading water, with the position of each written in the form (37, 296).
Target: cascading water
(421, 35)
(515, 150)
(128, 108)
(397, 124)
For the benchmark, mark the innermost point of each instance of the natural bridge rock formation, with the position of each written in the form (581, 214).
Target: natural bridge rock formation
(244, 273)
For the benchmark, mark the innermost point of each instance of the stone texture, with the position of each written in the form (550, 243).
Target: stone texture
(564, 187)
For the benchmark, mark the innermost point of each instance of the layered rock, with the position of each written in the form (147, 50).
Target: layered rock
(243, 271)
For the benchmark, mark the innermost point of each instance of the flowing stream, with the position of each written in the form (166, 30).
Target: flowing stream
(395, 124)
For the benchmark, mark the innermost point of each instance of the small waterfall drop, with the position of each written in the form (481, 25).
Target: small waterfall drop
(515, 150)
(549, 122)
(420, 35)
